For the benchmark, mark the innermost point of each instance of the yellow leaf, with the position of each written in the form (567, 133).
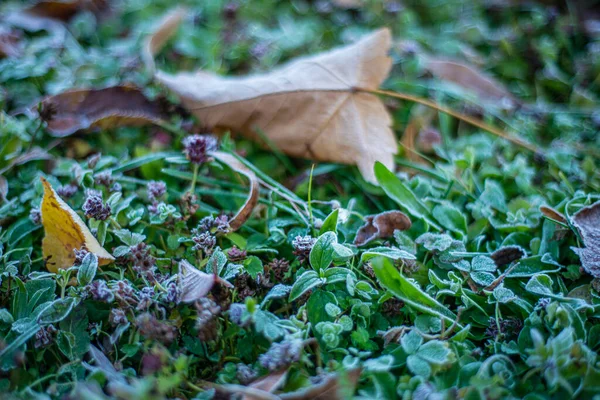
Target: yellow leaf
(65, 231)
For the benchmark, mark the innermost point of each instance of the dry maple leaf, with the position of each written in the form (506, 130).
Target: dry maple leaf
(74, 110)
(65, 232)
(314, 107)
(46, 14)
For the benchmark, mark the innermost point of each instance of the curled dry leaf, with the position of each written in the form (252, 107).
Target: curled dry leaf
(507, 254)
(587, 222)
(314, 107)
(244, 213)
(551, 213)
(65, 232)
(263, 387)
(74, 110)
(381, 226)
(470, 78)
(195, 284)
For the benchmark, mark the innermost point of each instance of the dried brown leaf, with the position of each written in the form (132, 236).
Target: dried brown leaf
(332, 387)
(507, 254)
(587, 222)
(470, 78)
(314, 107)
(551, 213)
(381, 226)
(195, 284)
(49, 14)
(244, 213)
(75, 110)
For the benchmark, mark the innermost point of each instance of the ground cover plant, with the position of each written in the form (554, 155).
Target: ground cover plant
(251, 231)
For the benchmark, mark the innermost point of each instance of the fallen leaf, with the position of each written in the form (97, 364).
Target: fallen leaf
(9, 44)
(381, 226)
(507, 254)
(244, 213)
(314, 107)
(45, 14)
(587, 222)
(75, 110)
(195, 284)
(551, 213)
(332, 387)
(65, 232)
(470, 78)
(266, 385)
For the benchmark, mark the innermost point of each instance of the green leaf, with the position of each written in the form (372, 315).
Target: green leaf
(337, 274)
(389, 252)
(402, 195)
(528, 267)
(77, 324)
(408, 291)
(435, 352)
(540, 284)
(321, 254)
(483, 279)
(253, 266)
(216, 262)
(306, 281)
(450, 218)
(66, 344)
(87, 269)
(56, 311)
(483, 264)
(418, 366)
(7, 353)
(411, 342)
(330, 223)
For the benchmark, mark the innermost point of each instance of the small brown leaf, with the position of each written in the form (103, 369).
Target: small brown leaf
(551, 213)
(75, 110)
(50, 14)
(262, 387)
(587, 222)
(195, 284)
(470, 78)
(381, 226)
(244, 213)
(332, 387)
(314, 107)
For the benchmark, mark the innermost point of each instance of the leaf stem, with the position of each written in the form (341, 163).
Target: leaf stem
(194, 178)
(446, 110)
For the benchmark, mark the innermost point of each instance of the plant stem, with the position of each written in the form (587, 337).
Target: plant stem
(194, 178)
(470, 120)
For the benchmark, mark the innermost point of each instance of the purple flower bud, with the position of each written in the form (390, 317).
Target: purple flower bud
(172, 295)
(104, 178)
(93, 207)
(100, 292)
(45, 336)
(35, 216)
(145, 298)
(153, 329)
(196, 147)
(117, 317)
(80, 255)
(281, 355)
(156, 189)
(204, 241)
(67, 191)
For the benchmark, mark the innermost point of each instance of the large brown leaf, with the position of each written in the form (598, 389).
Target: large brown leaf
(313, 107)
(74, 110)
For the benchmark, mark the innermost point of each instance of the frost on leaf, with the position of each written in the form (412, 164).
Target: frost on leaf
(587, 222)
